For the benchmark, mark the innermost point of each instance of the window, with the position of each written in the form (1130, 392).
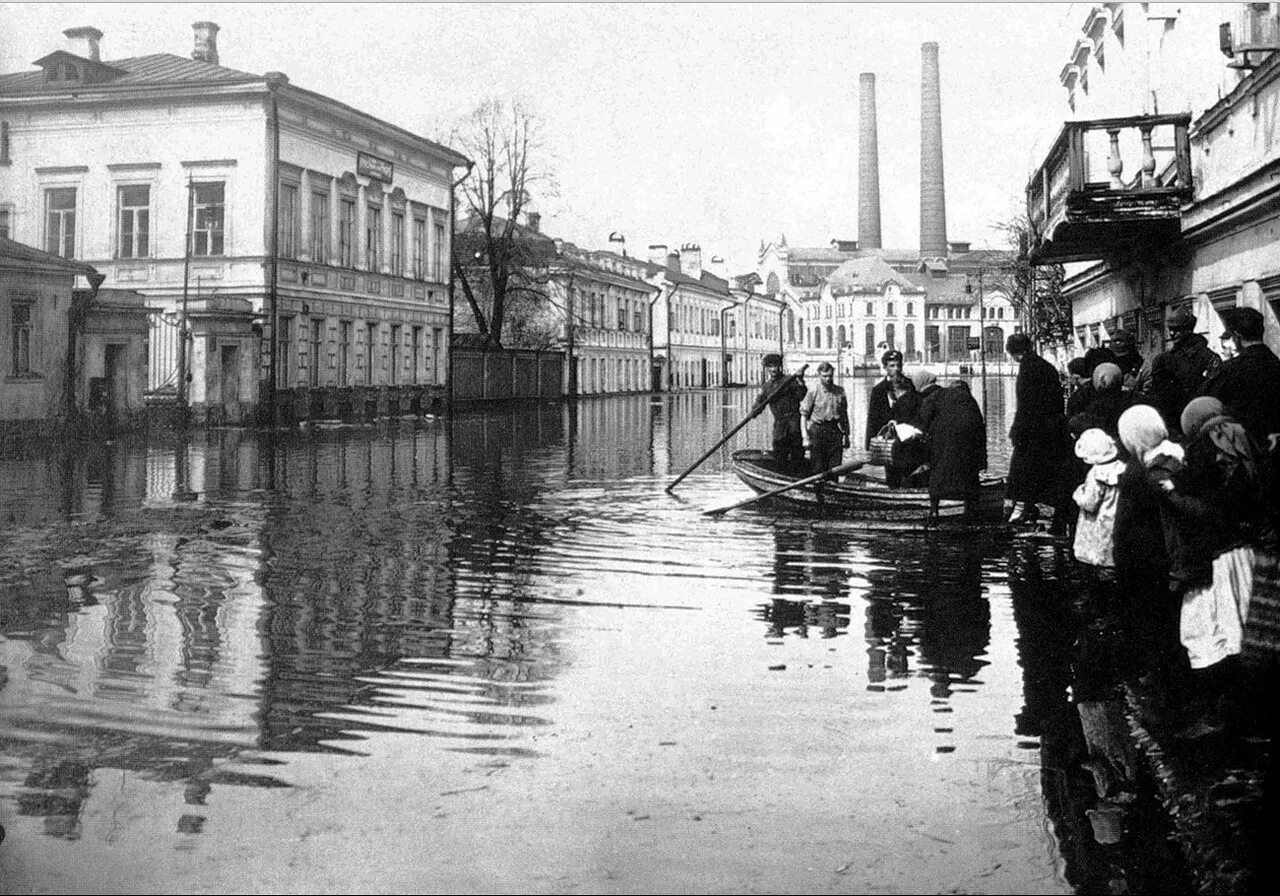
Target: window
(889, 309)
(437, 253)
(419, 249)
(397, 243)
(21, 334)
(437, 341)
(370, 337)
(622, 314)
(871, 308)
(373, 238)
(639, 318)
(319, 247)
(395, 352)
(210, 209)
(416, 358)
(134, 204)
(60, 221)
(911, 309)
(282, 353)
(317, 342)
(344, 353)
(5, 224)
(347, 233)
(289, 221)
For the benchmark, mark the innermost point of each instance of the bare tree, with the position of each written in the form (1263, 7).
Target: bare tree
(1036, 291)
(497, 261)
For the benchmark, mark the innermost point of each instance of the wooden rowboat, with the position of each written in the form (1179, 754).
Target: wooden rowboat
(860, 494)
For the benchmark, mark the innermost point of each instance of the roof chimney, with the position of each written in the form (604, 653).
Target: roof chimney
(85, 41)
(206, 49)
(691, 261)
(868, 165)
(658, 254)
(618, 243)
(933, 205)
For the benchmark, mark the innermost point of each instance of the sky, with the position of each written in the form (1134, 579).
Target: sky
(723, 124)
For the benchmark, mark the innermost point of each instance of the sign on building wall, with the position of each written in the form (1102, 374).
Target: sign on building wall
(369, 165)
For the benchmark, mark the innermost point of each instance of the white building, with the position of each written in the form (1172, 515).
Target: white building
(688, 319)
(100, 159)
(1169, 134)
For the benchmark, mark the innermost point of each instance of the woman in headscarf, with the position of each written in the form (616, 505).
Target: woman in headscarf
(1215, 501)
(1142, 560)
(1107, 402)
(911, 451)
(957, 438)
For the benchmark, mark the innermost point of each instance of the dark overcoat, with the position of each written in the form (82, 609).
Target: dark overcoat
(881, 408)
(1038, 470)
(1248, 386)
(957, 442)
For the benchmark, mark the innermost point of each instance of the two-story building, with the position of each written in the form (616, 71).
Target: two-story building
(1162, 188)
(293, 246)
(688, 319)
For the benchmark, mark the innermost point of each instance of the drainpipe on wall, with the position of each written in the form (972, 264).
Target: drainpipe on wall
(453, 208)
(274, 81)
(724, 352)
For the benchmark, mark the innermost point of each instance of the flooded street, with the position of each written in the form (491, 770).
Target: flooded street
(493, 655)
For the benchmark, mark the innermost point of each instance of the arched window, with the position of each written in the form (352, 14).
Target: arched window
(871, 340)
(911, 309)
(830, 338)
(791, 326)
(841, 338)
(888, 335)
(771, 284)
(911, 340)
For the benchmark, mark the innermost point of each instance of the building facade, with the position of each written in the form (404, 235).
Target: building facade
(1169, 129)
(688, 320)
(331, 226)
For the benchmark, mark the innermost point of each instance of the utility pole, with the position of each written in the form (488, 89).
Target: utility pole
(182, 319)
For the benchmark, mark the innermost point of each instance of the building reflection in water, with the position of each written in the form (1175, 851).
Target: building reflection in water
(174, 607)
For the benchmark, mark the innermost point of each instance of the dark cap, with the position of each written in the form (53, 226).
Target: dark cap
(774, 360)
(1079, 367)
(1181, 319)
(891, 355)
(1017, 344)
(1244, 322)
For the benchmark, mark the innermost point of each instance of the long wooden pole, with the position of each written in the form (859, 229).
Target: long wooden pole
(731, 433)
(808, 480)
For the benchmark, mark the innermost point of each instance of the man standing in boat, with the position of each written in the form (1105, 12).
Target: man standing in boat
(783, 395)
(826, 411)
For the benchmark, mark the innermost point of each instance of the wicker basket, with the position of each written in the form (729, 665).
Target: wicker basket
(881, 449)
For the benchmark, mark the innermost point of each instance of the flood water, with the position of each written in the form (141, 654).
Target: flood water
(492, 654)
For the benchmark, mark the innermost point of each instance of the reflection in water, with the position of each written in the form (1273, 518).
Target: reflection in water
(1109, 840)
(195, 612)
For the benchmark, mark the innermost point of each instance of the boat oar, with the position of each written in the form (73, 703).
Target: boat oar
(808, 480)
(731, 433)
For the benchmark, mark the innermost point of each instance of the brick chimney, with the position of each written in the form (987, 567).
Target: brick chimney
(658, 254)
(868, 165)
(933, 205)
(691, 260)
(206, 49)
(85, 41)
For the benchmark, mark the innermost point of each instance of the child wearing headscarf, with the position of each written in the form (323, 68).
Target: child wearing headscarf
(1097, 498)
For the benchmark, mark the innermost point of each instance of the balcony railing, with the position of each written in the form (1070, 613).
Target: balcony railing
(1109, 182)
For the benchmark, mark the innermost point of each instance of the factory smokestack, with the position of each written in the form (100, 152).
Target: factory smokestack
(933, 204)
(868, 165)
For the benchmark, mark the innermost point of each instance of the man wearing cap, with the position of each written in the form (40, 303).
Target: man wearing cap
(1188, 361)
(783, 396)
(1125, 347)
(826, 410)
(1248, 385)
(885, 394)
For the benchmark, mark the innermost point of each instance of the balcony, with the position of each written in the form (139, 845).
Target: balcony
(1109, 184)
